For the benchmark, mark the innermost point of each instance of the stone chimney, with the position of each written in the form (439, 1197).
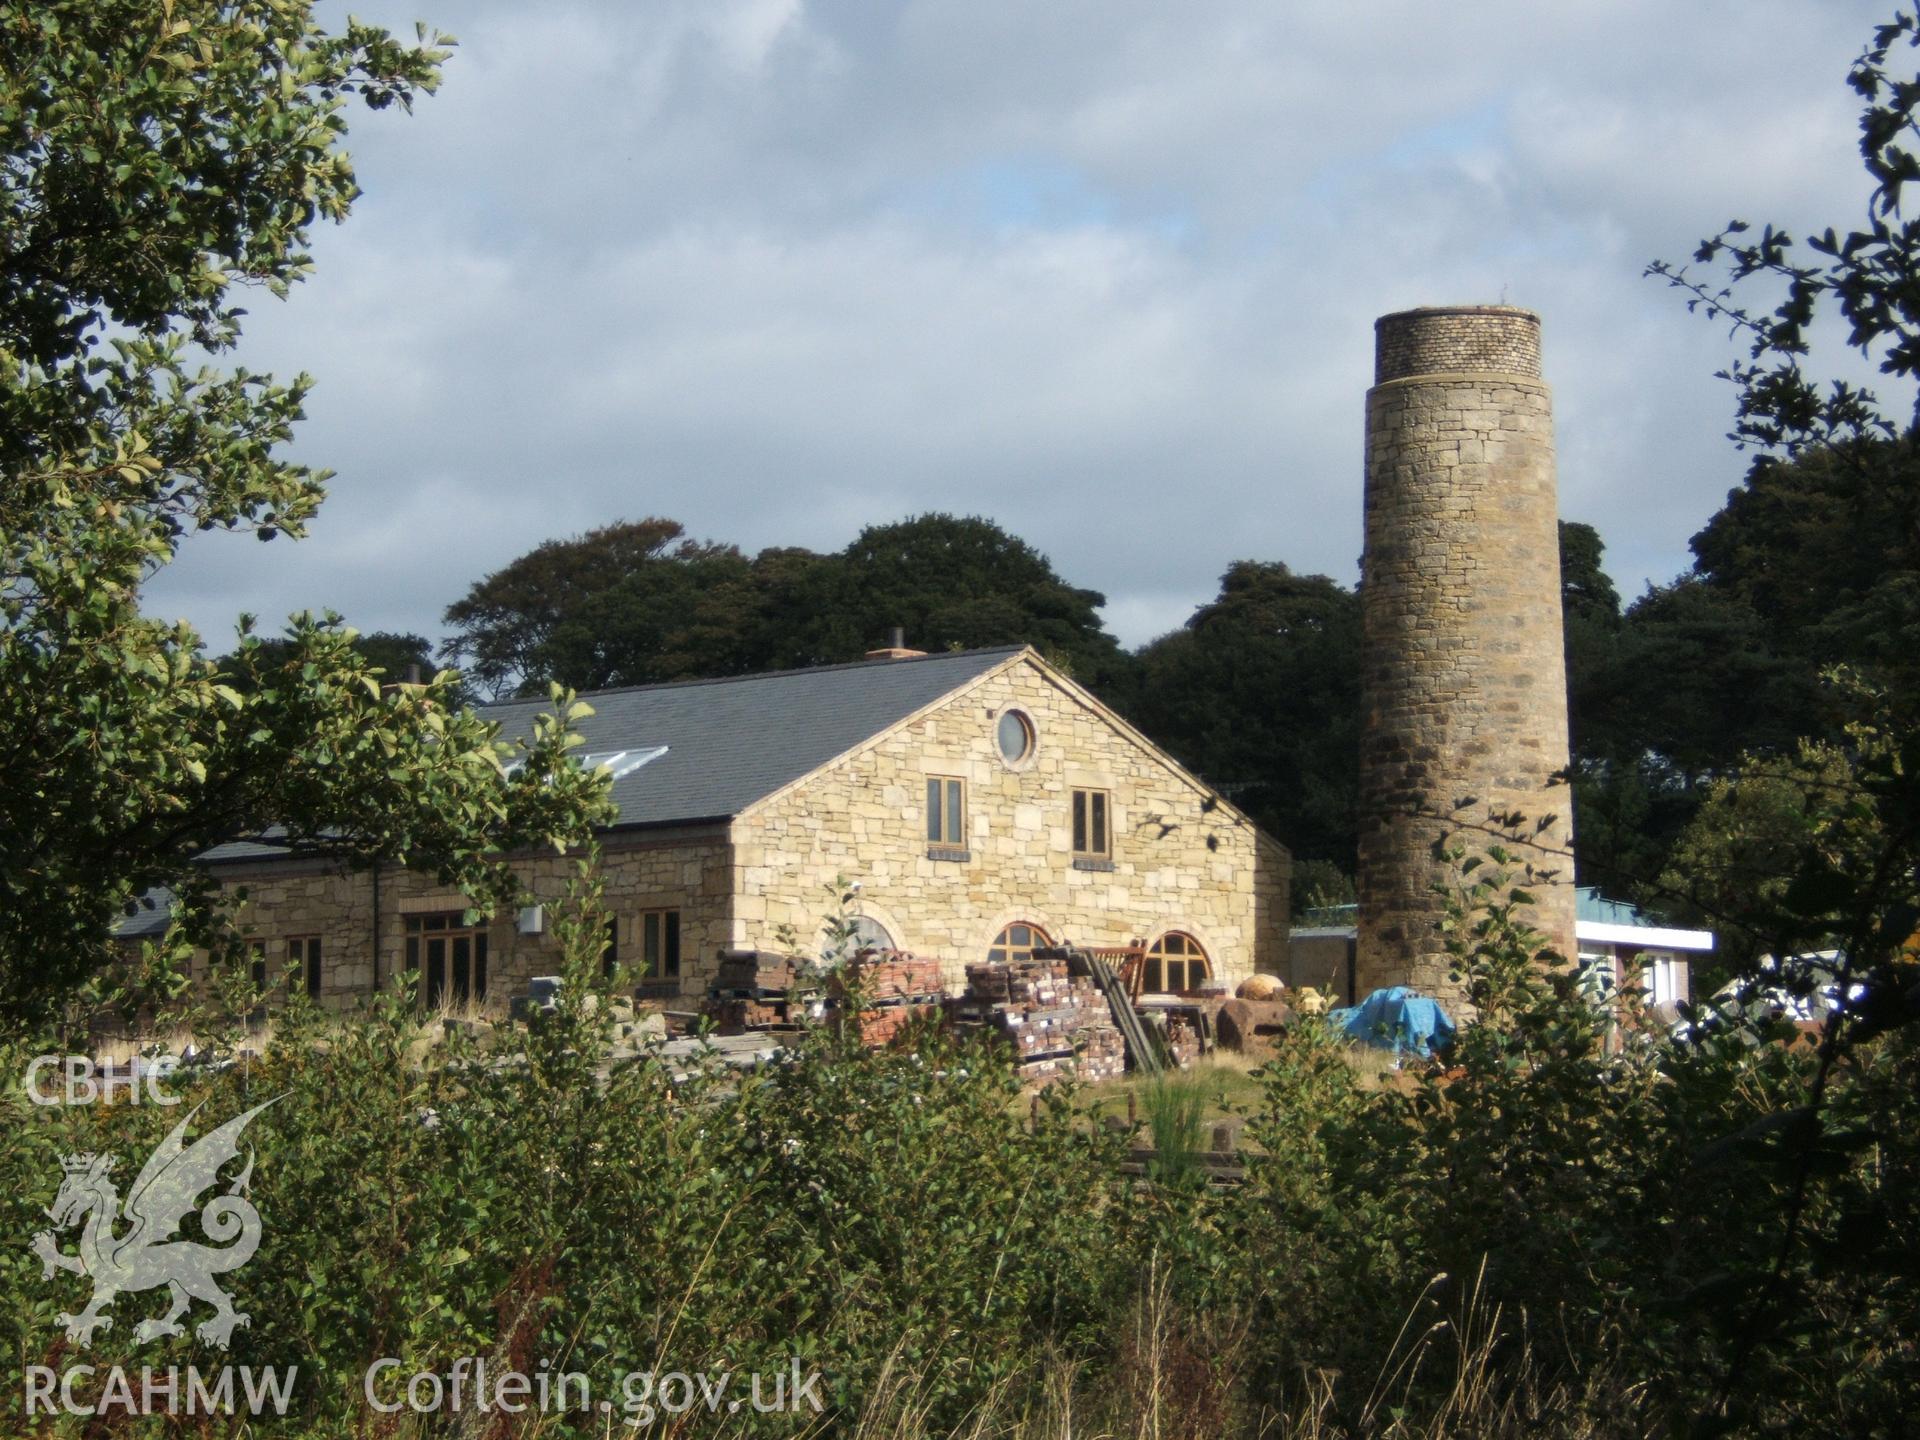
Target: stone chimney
(896, 648)
(1464, 679)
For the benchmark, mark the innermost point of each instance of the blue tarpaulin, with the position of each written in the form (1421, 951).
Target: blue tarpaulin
(1397, 1019)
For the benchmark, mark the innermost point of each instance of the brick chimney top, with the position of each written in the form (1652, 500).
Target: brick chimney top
(896, 648)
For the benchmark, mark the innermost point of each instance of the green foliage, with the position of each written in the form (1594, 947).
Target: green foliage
(626, 604)
(159, 157)
(961, 582)
(1567, 1227)
(517, 1196)
(1175, 1105)
(1260, 695)
(394, 657)
(639, 602)
(1319, 886)
(1734, 863)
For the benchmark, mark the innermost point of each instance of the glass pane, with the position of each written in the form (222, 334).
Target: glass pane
(933, 811)
(1156, 976)
(1098, 800)
(670, 944)
(462, 957)
(650, 943)
(436, 953)
(1080, 820)
(1015, 739)
(480, 965)
(956, 807)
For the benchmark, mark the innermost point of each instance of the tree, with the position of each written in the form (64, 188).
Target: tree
(627, 604)
(158, 159)
(638, 602)
(961, 582)
(1852, 874)
(1734, 863)
(1824, 548)
(1259, 694)
(394, 658)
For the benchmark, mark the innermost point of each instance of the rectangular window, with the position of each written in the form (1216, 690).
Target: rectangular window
(1092, 838)
(1663, 980)
(453, 955)
(303, 957)
(660, 944)
(946, 812)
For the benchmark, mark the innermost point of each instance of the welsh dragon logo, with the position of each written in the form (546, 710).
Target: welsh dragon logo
(148, 1255)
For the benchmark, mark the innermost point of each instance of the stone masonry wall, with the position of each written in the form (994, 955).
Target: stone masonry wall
(1464, 669)
(1464, 339)
(690, 873)
(1180, 860)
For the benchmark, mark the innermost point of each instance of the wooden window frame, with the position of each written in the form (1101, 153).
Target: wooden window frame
(660, 934)
(449, 925)
(1160, 959)
(1089, 803)
(946, 826)
(1029, 734)
(305, 952)
(1004, 950)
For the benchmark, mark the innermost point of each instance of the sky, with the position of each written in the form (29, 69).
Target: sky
(1103, 271)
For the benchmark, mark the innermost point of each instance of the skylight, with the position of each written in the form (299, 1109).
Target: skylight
(620, 763)
(617, 763)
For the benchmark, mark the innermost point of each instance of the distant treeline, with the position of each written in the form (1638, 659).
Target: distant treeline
(1807, 566)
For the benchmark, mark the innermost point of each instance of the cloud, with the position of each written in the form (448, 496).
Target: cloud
(1105, 272)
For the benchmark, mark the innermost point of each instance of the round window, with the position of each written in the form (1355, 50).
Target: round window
(1015, 737)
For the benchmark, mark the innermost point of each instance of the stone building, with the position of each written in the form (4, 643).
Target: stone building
(1463, 663)
(984, 802)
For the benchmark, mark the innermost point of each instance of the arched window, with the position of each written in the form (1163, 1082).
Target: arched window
(868, 933)
(1017, 942)
(1175, 962)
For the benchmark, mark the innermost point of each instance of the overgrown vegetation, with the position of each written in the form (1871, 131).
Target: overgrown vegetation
(1544, 1235)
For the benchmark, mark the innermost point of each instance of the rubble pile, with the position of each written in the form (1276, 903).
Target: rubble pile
(1056, 1022)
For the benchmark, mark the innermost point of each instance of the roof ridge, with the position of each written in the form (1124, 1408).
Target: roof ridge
(1012, 649)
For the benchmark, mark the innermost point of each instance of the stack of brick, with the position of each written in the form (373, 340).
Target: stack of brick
(1056, 1022)
(896, 988)
(758, 990)
(1183, 1040)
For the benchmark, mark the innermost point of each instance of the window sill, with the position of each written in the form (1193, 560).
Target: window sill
(949, 853)
(1093, 862)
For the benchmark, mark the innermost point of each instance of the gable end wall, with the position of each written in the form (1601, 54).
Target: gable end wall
(1176, 863)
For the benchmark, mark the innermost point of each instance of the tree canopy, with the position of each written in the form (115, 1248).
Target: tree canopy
(1259, 693)
(640, 601)
(160, 159)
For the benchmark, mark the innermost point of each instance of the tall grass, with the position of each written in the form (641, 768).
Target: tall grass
(1175, 1105)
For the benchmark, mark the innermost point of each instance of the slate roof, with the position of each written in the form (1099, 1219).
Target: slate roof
(151, 911)
(730, 742)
